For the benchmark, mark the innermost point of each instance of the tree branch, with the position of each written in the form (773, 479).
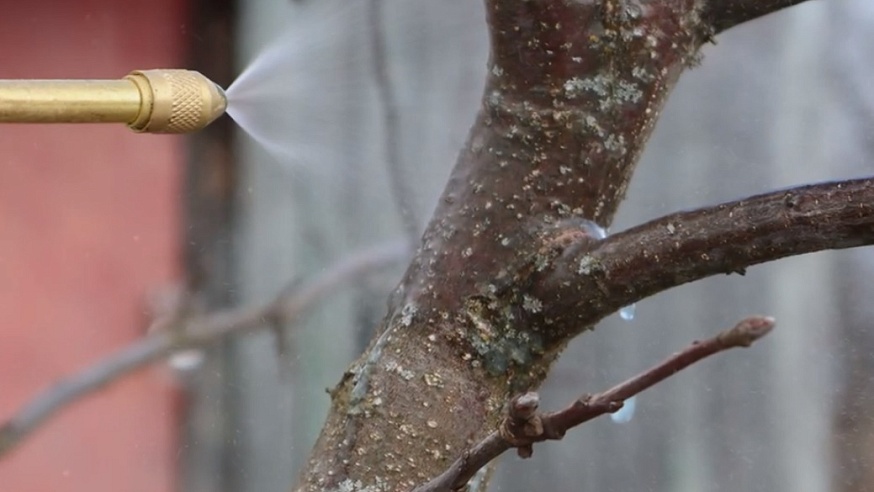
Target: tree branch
(289, 306)
(592, 279)
(572, 93)
(397, 172)
(524, 426)
(725, 14)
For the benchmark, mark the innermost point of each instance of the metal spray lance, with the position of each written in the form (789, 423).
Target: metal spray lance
(152, 101)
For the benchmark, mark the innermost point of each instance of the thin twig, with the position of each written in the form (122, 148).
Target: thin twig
(385, 89)
(524, 426)
(288, 306)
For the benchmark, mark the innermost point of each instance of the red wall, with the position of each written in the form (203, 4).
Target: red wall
(89, 227)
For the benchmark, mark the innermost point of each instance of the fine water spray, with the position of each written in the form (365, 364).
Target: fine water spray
(149, 101)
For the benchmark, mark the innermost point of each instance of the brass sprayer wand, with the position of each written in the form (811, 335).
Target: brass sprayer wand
(154, 101)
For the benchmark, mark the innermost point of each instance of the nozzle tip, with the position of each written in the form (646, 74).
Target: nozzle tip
(176, 101)
(219, 102)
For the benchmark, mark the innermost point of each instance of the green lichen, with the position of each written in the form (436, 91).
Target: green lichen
(589, 265)
(498, 343)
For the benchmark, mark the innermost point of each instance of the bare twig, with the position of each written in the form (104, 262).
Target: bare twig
(289, 306)
(385, 89)
(524, 426)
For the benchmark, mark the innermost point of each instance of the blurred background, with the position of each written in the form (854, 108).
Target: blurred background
(96, 223)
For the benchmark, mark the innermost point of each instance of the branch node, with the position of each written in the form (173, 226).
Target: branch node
(613, 406)
(524, 406)
(523, 424)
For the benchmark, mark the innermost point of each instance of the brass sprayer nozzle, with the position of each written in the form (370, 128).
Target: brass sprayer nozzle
(154, 101)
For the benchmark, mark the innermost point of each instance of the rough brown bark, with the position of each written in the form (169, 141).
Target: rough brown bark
(498, 287)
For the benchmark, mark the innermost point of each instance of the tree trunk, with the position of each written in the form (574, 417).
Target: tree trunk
(572, 94)
(511, 266)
